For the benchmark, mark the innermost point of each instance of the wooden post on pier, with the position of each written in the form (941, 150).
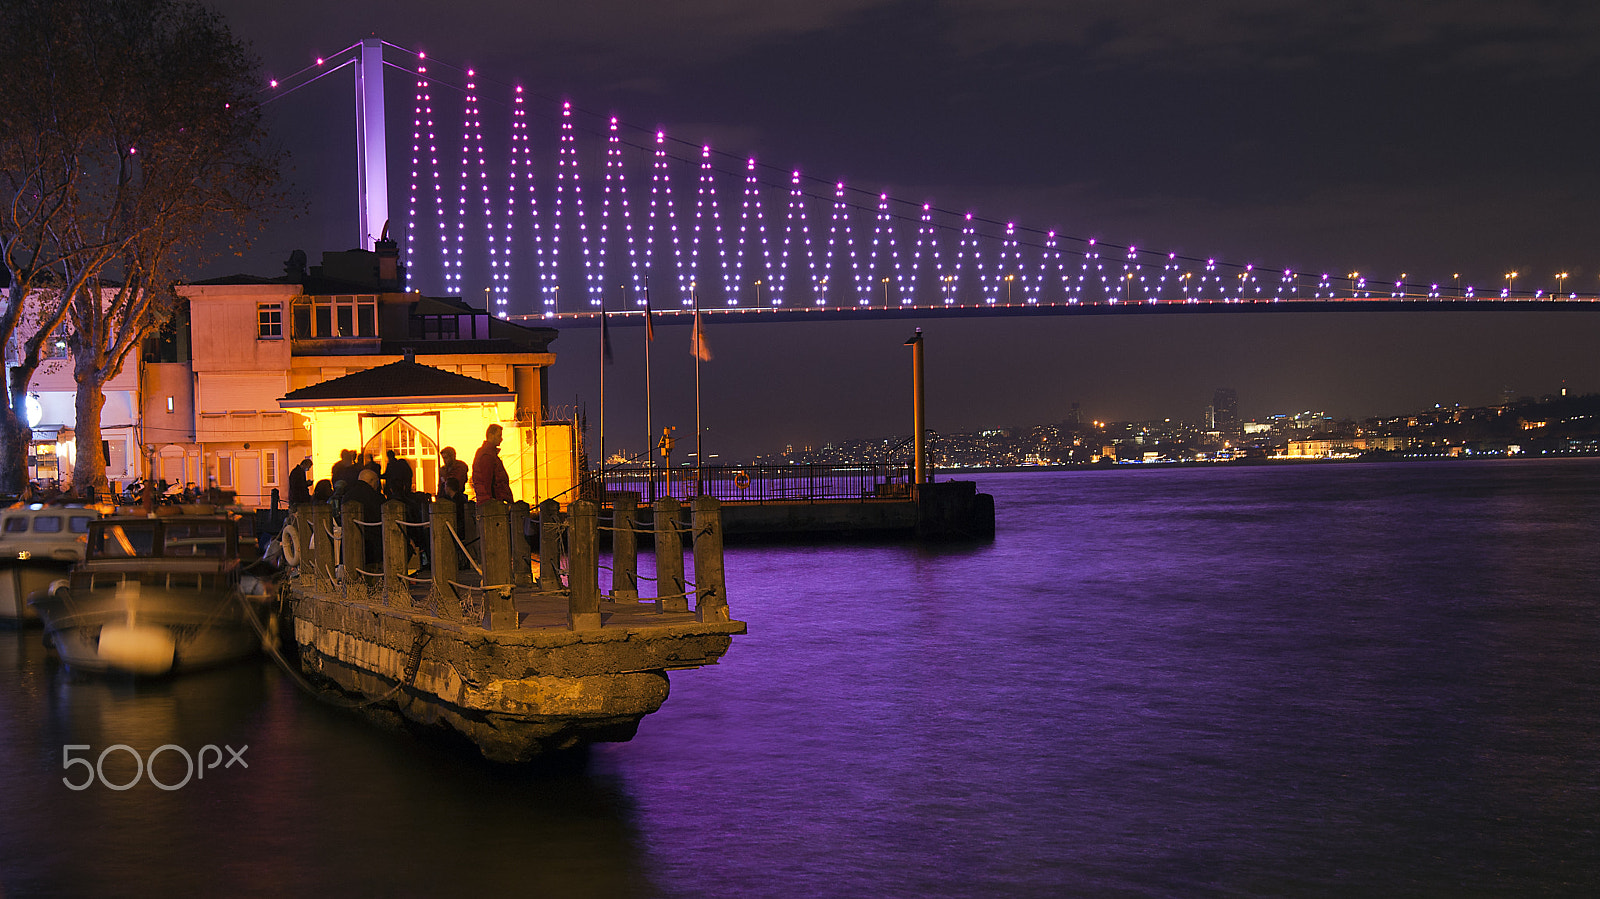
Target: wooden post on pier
(470, 532)
(495, 527)
(442, 555)
(521, 555)
(624, 548)
(354, 544)
(670, 585)
(710, 584)
(583, 566)
(322, 544)
(300, 519)
(549, 547)
(396, 593)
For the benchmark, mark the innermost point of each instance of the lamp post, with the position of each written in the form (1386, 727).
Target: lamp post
(1354, 276)
(1457, 277)
(1009, 278)
(1561, 282)
(886, 293)
(1510, 276)
(918, 410)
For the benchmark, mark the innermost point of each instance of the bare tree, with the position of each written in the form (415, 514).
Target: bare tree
(136, 152)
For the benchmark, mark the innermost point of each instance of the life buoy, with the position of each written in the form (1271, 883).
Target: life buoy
(741, 481)
(289, 541)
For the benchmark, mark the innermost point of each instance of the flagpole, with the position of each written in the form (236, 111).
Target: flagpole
(649, 428)
(699, 453)
(605, 348)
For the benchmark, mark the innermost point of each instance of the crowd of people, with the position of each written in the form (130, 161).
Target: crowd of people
(363, 480)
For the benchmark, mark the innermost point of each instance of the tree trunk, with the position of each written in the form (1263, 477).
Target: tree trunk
(89, 468)
(15, 435)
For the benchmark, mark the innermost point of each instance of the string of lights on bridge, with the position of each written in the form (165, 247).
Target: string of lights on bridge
(753, 237)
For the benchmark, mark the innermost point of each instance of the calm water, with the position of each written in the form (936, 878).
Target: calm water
(1333, 680)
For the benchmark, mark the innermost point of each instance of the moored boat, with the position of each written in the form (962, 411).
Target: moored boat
(38, 545)
(159, 595)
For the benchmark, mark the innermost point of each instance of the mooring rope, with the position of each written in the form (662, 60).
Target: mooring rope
(471, 561)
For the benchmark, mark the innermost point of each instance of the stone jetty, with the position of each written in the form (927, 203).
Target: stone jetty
(520, 652)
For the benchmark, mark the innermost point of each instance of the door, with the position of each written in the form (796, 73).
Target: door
(247, 479)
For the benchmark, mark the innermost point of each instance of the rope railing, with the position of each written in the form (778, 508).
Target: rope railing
(464, 551)
(567, 564)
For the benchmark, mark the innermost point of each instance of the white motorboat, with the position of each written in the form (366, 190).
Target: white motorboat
(159, 595)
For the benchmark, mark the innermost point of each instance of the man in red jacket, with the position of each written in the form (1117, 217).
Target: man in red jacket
(489, 477)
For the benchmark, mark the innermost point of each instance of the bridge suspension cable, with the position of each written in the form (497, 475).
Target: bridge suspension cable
(591, 213)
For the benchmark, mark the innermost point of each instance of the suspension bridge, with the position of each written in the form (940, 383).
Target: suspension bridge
(557, 212)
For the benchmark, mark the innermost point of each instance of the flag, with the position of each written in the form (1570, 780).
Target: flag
(605, 337)
(649, 320)
(697, 340)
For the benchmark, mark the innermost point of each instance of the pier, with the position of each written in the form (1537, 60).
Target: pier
(520, 652)
(818, 501)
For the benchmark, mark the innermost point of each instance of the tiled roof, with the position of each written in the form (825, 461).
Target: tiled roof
(398, 382)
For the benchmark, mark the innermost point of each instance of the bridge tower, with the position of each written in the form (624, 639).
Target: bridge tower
(372, 171)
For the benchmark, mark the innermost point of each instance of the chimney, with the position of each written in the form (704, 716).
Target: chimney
(388, 261)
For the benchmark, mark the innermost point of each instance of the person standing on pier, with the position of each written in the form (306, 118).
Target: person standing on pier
(364, 490)
(300, 483)
(489, 477)
(344, 470)
(451, 467)
(397, 478)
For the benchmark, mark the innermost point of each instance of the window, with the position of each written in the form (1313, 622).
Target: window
(199, 538)
(336, 316)
(17, 525)
(78, 524)
(224, 471)
(269, 468)
(129, 539)
(47, 524)
(269, 321)
(435, 327)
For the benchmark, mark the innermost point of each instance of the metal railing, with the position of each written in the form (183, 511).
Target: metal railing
(810, 483)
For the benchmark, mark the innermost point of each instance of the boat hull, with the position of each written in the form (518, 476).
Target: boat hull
(19, 580)
(151, 631)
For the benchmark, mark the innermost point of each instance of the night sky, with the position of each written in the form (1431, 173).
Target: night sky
(1426, 137)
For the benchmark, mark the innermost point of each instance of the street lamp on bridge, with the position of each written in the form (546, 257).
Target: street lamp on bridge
(1510, 276)
(1561, 282)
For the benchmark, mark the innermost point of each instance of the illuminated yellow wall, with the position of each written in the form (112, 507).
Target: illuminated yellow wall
(541, 461)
